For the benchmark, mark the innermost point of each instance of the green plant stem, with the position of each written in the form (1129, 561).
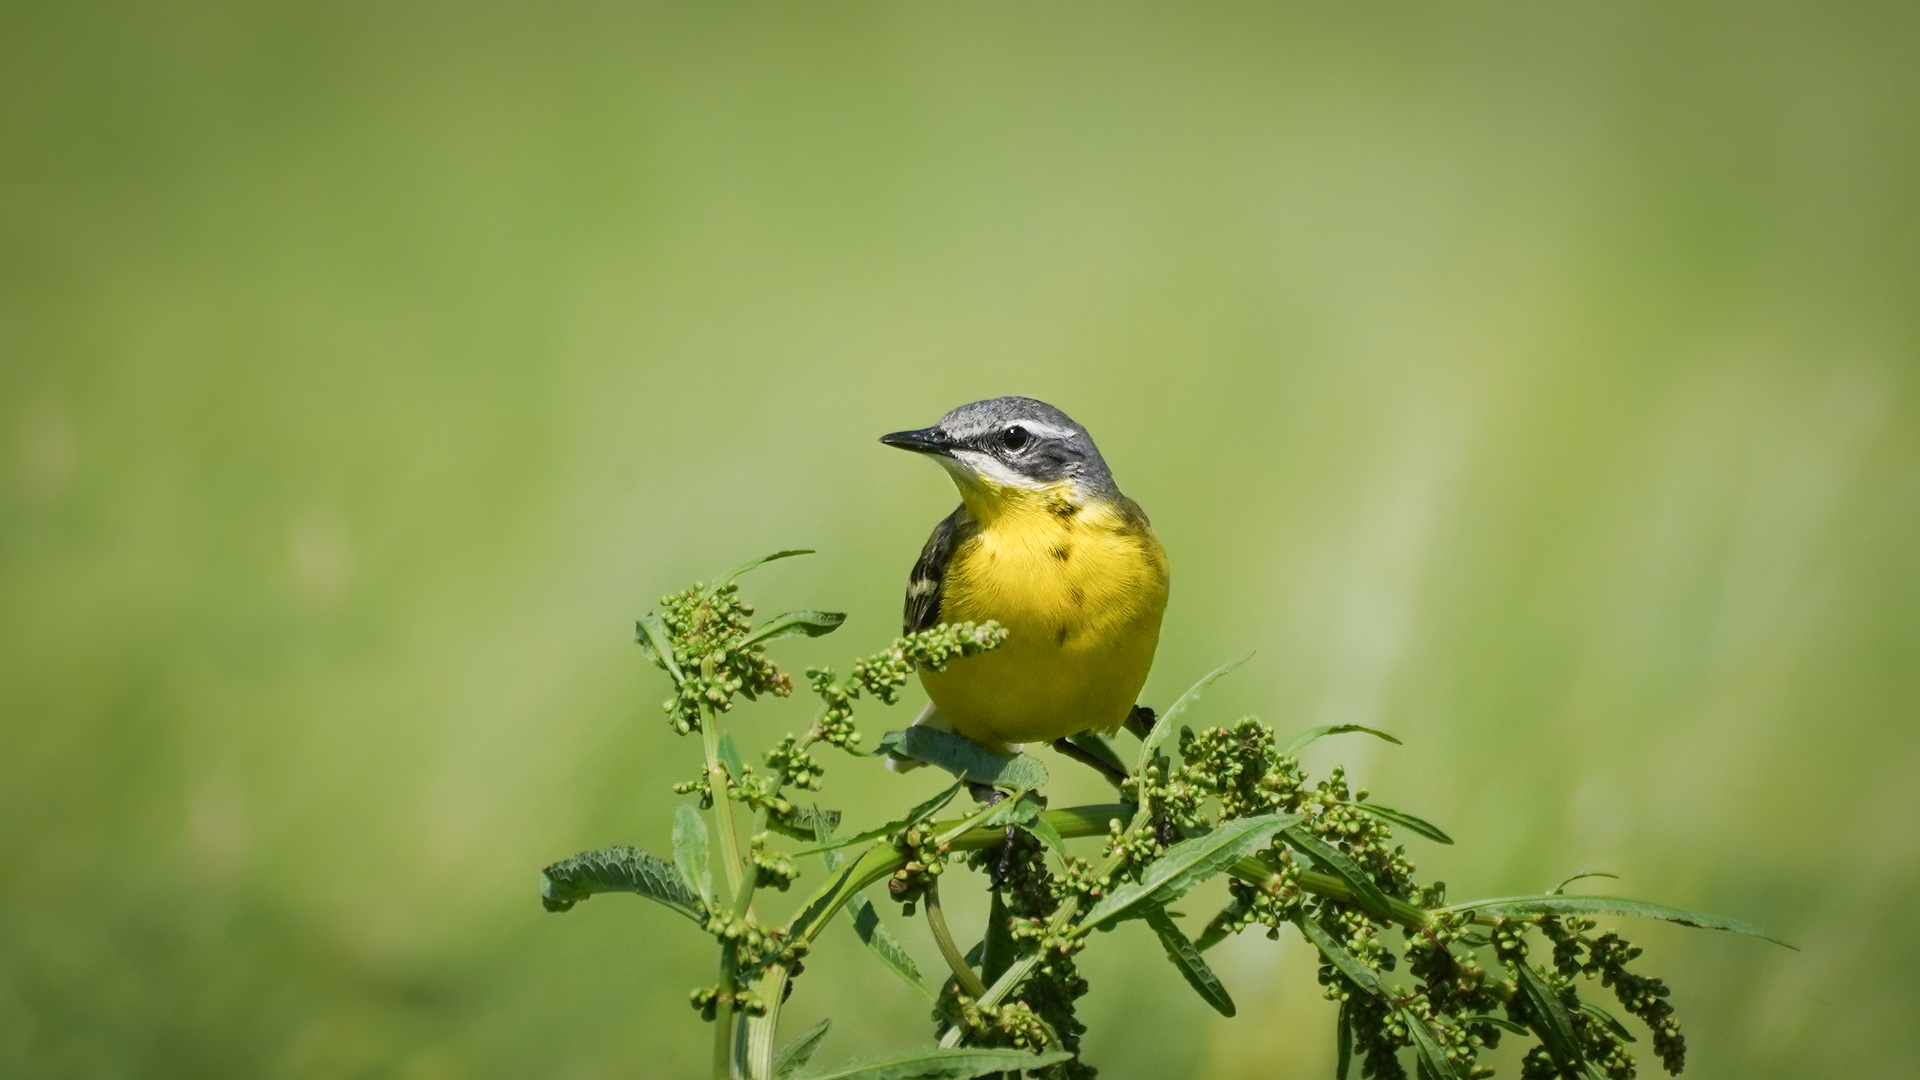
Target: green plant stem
(760, 1030)
(722, 805)
(957, 960)
(724, 1012)
(723, 1026)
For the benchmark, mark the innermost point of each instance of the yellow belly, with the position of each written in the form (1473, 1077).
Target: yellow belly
(1081, 596)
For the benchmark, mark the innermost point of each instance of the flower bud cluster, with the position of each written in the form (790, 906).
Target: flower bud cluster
(790, 761)
(770, 867)
(705, 627)
(1012, 1024)
(926, 858)
(1272, 903)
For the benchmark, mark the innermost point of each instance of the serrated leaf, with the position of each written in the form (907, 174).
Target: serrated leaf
(799, 822)
(1169, 721)
(729, 754)
(1611, 905)
(1551, 1021)
(1365, 892)
(1428, 1047)
(995, 952)
(1582, 875)
(941, 1064)
(874, 935)
(1497, 1021)
(968, 760)
(913, 817)
(1343, 1035)
(657, 642)
(1047, 835)
(1015, 810)
(1301, 740)
(618, 869)
(1603, 1016)
(1188, 863)
(1187, 959)
(793, 1056)
(808, 923)
(761, 561)
(1343, 961)
(1217, 929)
(690, 851)
(810, 623)
(1406, 821)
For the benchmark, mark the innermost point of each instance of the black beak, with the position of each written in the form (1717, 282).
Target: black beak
(924, 441)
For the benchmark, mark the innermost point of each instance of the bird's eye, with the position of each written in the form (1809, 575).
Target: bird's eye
(1015, 439)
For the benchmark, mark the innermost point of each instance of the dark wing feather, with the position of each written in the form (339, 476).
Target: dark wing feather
(927, 582)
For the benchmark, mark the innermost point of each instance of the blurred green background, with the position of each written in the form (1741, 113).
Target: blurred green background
(1536, 382)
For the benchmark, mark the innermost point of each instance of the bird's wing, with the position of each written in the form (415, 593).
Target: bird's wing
(925, 584)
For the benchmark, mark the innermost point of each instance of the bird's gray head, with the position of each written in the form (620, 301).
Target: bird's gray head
(1012, 442)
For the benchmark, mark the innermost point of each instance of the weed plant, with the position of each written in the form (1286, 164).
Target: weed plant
(1417, 981)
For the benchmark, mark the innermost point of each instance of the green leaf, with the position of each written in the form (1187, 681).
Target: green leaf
(1187, 959)
(1301, 740)
(1343, 961)
(1405, 821)
(968, 760)
(795, 1054)
(1365, 892)
(1551, 1021)
(810, 623)
(1344, 1037)
(1603, 1016)
(1188, 863)
(1169, 721)
(690, 851)
(1428, 1047)
(997, 947)
(866, 919)
(1100, 747)
(874, 935)
(1497, 1021)
(618, 869)
(1047, 835)
(657, 642)
(1015, 810)
(800, 822)
(729, 754)
(1562, 887)
(761, 561)
(1610, 905)
(913, 817)
(939, 1064)
(1217, 929)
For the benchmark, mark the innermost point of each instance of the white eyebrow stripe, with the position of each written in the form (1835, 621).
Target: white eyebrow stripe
(1049, 430)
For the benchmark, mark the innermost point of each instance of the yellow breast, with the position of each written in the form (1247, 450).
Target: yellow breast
(1080, 588)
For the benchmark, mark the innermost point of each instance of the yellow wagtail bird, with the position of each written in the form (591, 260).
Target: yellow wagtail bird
(1044, 544)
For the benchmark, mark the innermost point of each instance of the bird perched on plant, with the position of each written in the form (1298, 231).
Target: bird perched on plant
(1044, 544)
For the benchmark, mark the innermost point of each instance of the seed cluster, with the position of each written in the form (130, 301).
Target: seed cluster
(1030, 894)
(705, 625)
(1446, 989)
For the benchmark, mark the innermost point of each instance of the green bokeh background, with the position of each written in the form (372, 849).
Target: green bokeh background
(1536, 382)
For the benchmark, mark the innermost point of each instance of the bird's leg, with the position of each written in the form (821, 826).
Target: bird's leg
(985, 794)
(1069, 748)
(1004, 866)
(990, 795)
